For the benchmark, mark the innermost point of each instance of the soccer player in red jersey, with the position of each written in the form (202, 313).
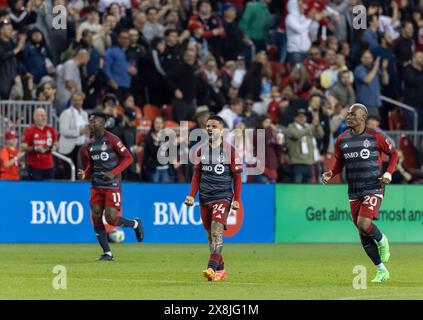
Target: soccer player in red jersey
(39, 141)
(360, 150)
(105, 157)
(215, 169)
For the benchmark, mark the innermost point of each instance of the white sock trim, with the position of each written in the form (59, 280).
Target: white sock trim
(109, 253)
(381, 266)
(136, 224)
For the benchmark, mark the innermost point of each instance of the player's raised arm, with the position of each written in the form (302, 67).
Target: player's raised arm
(384, 145)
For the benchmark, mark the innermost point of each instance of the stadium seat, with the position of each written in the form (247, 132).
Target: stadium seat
(171, 124)
(167, 112)
(191, 124)
(396, 120)
(151, 112)
(144, 125)
(410, 153)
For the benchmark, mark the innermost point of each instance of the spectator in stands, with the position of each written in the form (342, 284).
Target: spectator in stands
(367, 81)
(252, 81)
(315, 65)
(297, 32)
(153, 170)
(197, 39)
(316, 111)
(302, 145)
(103, 39)
(230, 114)
(255, 24)
(249, 116)
(73, 124)
(69, 78)
(343, 90)
(59, 38)
(403, 47)
(91, 23)
(118, 70)
(93, 75)
(233, 44)
(22, 14)
(370, 36)
(38, 143)
(183, 85)
(9, 157)
(152, 27)
(413, 90)
(8, 57)
(173, 49)
(23, 88)
(153, 76)
(214, 32)
(213, 84)
(36, 56)
(273, 150)
(127, 133)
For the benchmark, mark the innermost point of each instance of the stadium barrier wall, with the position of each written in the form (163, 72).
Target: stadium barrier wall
(58, 212)
(321, 214)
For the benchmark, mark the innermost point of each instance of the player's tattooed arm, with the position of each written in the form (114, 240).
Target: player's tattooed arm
(217, 237)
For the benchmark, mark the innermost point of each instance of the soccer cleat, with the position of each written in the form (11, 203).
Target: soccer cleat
(220, 275)
(209, 273)
(139, 231)
(105, 257)
(381, 275)
(384, 250)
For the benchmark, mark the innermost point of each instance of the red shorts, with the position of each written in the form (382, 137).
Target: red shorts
(367, 207)
(216, 211)
(106, 198)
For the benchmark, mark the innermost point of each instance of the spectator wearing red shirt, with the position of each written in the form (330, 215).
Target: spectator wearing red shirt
(9, 157)
(214, 31)
(39, 141)
(315, 65)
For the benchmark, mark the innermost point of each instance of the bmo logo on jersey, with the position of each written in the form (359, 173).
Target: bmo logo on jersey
(104, 156)
(66, 212)
(365, 154)
(167, 213)
(218, 169)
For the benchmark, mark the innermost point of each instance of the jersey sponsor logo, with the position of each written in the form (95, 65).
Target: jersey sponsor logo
(351, 155)
(104, 156)
(219, 169)
(221, 158)
(345, 146)
(234, 221)
(48, 212)
(366, 143)
(365, 154)
(207, 168)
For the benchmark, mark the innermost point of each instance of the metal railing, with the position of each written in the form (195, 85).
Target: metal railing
(68, 161)
(409, 108)
(17, 115)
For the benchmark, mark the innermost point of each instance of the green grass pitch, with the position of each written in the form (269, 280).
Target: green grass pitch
(173, 271)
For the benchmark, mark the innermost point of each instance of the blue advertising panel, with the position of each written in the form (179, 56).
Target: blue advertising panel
(58, 212)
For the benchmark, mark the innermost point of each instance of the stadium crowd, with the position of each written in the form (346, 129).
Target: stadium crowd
(290, 67)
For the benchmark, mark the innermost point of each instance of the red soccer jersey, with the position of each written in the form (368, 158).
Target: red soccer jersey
(36, 137)
(11, 173)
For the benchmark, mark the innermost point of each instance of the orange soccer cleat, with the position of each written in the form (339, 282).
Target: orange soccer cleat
(220, 275)
(209, 273)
